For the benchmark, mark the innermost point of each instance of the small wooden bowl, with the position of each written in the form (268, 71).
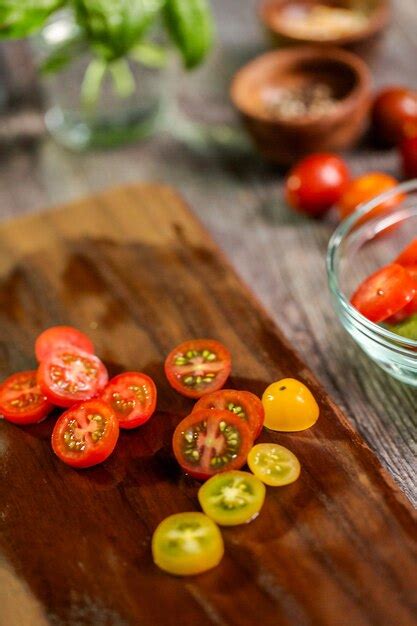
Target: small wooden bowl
(283, 140)
(272, 14)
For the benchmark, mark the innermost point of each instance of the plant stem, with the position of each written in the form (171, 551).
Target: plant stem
(91, 85)
(123, 81)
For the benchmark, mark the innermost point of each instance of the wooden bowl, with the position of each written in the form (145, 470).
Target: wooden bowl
(282, 140)
(277, 16)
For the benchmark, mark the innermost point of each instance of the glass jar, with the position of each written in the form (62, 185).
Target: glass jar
(114, 118)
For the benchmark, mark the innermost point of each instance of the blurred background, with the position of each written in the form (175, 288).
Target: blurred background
(180, 127)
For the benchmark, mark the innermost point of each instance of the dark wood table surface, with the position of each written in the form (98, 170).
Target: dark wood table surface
(239, 199)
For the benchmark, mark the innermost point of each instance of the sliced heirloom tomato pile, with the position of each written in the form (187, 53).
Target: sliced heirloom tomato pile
(71, 376)
(389, 295)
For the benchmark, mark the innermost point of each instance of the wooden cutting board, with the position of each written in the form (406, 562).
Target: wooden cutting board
(134, 269)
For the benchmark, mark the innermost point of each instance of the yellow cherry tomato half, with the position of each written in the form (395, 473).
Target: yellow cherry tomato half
(273, 464)
(232, 498)
(289, 406)
(187, 543)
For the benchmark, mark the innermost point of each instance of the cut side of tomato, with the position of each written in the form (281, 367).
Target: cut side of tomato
(197, 367)
(232, 498)
(69, 375)
(211, 441)
(273, 464)
(384, 293)
(132, 396)
(187, 543)
(244, 404)
(22, 401)
(86, 434)
(409, 255)
(60, 336)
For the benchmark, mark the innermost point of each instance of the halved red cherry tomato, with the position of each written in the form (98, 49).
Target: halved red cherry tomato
(69, 375)
(197, 367)
(384, 293)
(242, 403)
(86, 434)
(411, 307)
(211, 441)
(59, 336)
(21, 400)
(132, 396)
(409, 255)
(315, 183)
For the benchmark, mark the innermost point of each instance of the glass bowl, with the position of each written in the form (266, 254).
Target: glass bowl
(356, 249)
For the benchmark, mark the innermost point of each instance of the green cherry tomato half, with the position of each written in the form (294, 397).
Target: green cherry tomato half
(232, 498)
(289, 406)
(187, 543)
(275, 465)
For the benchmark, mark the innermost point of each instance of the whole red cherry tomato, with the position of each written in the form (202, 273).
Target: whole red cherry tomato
(315, 183)
(392, 109)
(364, 188)
(408, 150)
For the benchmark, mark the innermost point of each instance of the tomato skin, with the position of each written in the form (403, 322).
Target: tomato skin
(411, 307)
(58, 336)
(93, 384)
(408, 150)
(219, 367)
(408, 256)
(316, 183)
(275, 465)
(23, 387)
(365, 188)
(393, 108)
(95, 452)
(170, 539)
(232, 498)
(289, 406)
(204, 425)
(251, 405)
(120, 385)
(384, 293)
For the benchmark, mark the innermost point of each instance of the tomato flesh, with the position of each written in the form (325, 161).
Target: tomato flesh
(132, 396)
(210, 441)
(232, 498)
(68, 375)
(411, 307)
(244, 404)
(187, 543)
(59, 336)
(384, 293)
(86, 434)
(21, 399)
(274, 465)
(197, 367)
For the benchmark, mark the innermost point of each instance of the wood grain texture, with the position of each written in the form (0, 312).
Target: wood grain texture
(240, 201)
(133, 269)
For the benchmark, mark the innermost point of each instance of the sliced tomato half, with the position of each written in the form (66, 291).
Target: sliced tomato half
(21, 399)
(411, 307)
(132, 396)
(211, 441)
(86, 434)
(69, 375)
(244, 404)
(384, 293)
(197, 367)
(59, 336)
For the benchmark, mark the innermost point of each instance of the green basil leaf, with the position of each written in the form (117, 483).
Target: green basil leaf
(190, 25)
(20, 18)
(149, 54)
(114, 27)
